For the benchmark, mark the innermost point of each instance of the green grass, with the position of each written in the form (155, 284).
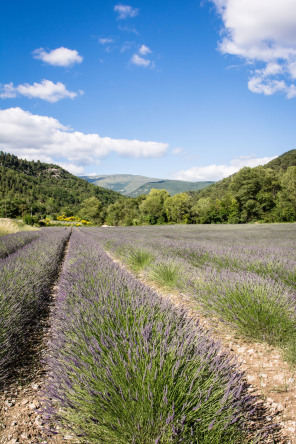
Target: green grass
(9, 226)
(166, 274)
(138, 259)
(259, 312)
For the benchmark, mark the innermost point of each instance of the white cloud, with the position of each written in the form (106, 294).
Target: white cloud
(261, 85)
(125, 11)
(105, 41)
(45, 138)
(144, 50)
(262, 31)
(46, 90)
(218, 172)
(72, 168)
(140, 61)
(58, 57)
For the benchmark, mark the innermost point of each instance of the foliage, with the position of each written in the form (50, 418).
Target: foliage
(152, 208)
(91, 209)
(178, 208)
(166, 274)
(44, 189)
(139, 259)
(265, 194)
(261, 194)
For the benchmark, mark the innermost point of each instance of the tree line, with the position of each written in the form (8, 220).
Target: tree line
(252, 195)
(265, 193)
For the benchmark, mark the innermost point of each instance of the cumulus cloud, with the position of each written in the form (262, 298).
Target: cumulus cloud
(140, 61)
(36, 137)
(262, 32)
(144, 50)
(58, 57)
(217, 172)
(45, 90)
(125, 11)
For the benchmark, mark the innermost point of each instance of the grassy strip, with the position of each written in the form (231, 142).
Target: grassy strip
(26, 277)
(127, 367)
(260, 309)
(9, 226)
(166, 274)
(138, 259)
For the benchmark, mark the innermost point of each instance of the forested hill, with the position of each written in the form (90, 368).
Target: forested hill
(262, 193)
(45, 188)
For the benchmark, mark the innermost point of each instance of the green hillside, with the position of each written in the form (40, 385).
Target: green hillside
(262, 193)
(133, 185)
(44, 188)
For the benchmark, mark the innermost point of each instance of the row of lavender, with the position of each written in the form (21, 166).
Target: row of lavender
(248, 280)
(12, 242)
(127, 367)
(26, 277)
(267, 250)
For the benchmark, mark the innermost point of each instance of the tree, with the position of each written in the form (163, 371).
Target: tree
(286, 200)
(178, 208)
(91, 209)
(202, 211)
(152, 208)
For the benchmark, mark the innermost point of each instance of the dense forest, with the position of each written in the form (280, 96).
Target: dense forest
(264, 193)
(43, 188)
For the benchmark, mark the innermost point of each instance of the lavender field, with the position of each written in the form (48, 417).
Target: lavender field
(244, 275)
(125, 365)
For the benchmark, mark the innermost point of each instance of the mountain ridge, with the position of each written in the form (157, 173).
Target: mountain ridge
(134, 185)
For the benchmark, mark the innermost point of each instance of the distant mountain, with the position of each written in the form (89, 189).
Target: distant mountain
(46, 188)
(133, 185)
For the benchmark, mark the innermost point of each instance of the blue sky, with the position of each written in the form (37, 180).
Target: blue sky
(182, 89)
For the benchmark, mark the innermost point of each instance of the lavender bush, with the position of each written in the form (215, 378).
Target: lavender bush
(26, 277)
(12, 242)
(126, 367)
(244, 275)
(267, 250)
